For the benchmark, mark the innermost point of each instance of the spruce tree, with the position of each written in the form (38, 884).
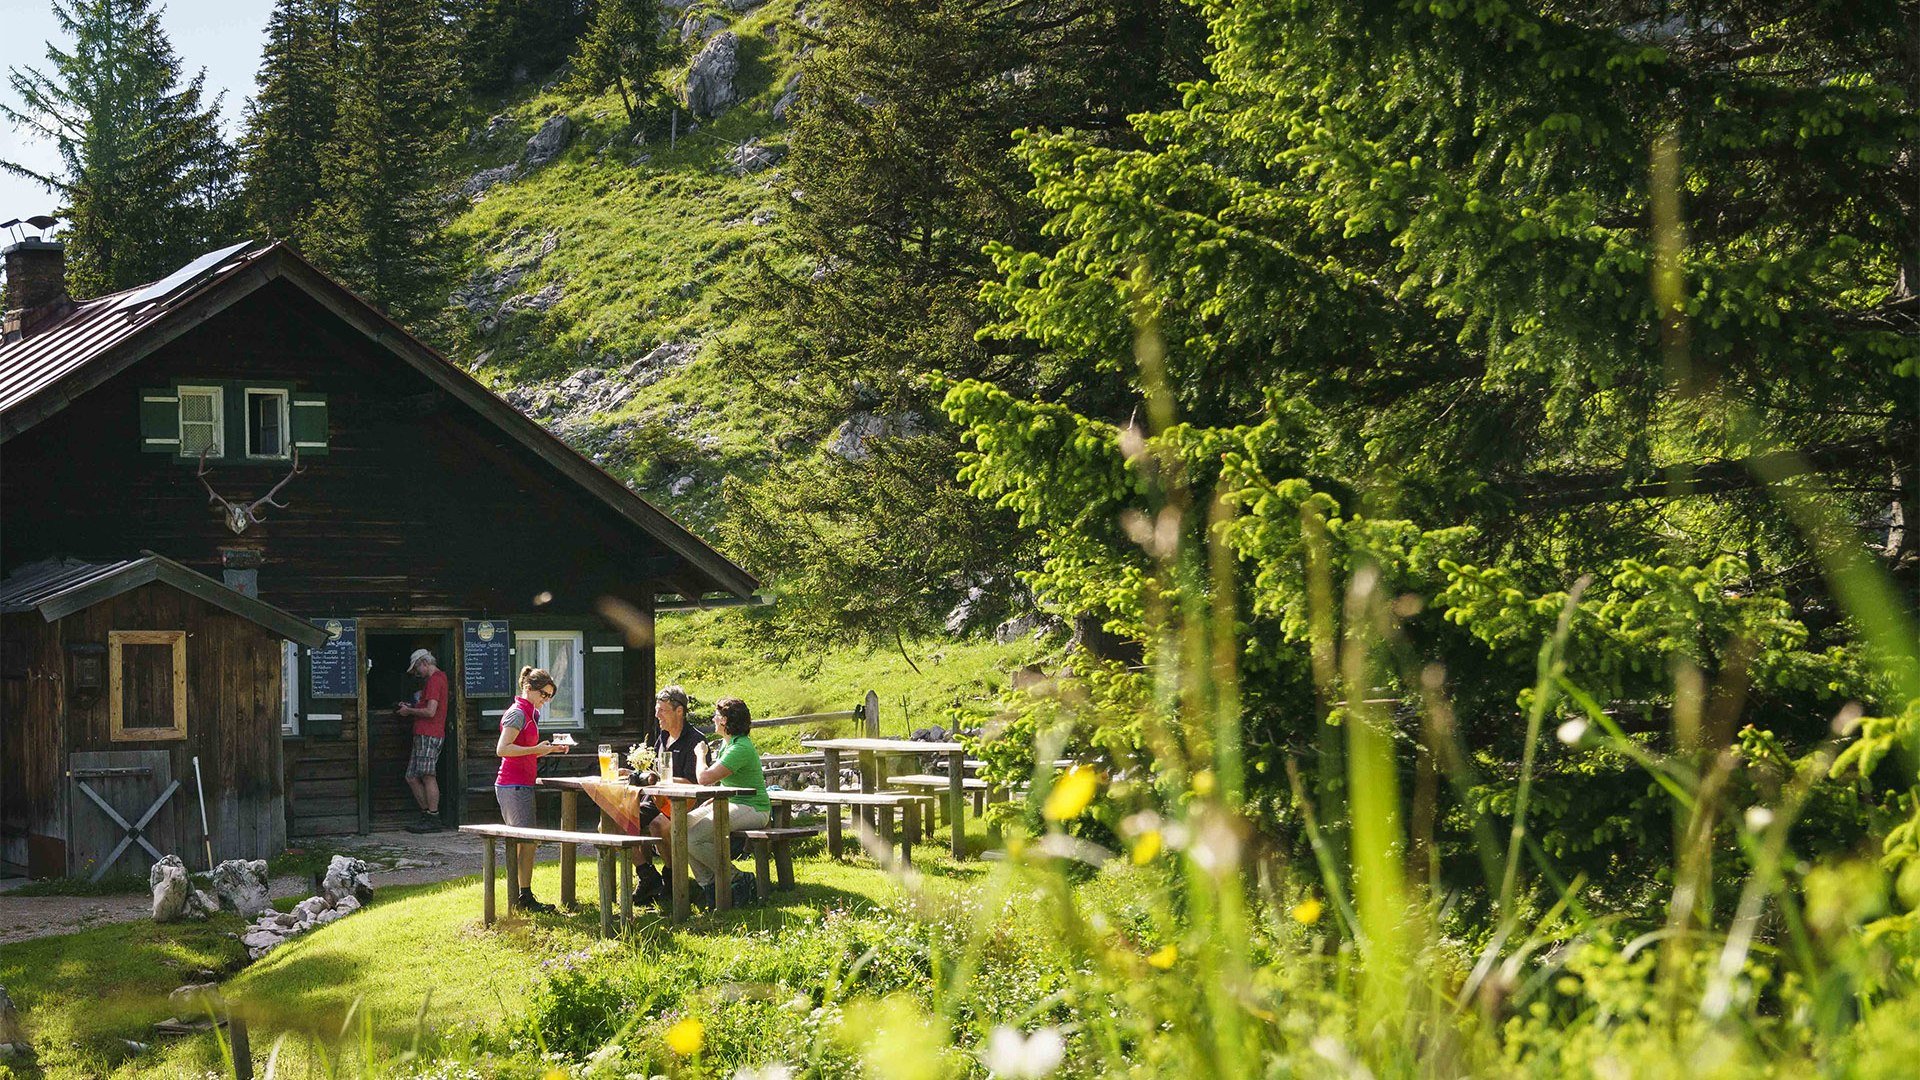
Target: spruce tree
(382, 225)
(147, 181)
(900, 160)
(508, 40)
(623, 48)
(291, 120)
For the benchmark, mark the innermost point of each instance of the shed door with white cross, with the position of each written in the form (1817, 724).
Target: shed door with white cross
(120, 806)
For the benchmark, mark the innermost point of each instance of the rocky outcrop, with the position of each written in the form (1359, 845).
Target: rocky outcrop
(547, 143)
(701, 27)
(479, 182)
(710, 78)
(850, 439)
(574, 400)
(787, 97)
(240, 885)
(174, 895)
(753, 157)
(488, 294)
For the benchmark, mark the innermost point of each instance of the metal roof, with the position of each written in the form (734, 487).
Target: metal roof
(57, 588)
(99, 338)
(91, 329)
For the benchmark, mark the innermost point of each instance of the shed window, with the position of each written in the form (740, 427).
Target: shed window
(558, 651)
(147, 692)
(201, 426)
(266, 423)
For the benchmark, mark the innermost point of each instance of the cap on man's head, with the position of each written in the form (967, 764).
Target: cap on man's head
(673, 694)
(419, 656)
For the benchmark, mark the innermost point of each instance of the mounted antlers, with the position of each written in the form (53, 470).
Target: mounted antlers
(239, 517)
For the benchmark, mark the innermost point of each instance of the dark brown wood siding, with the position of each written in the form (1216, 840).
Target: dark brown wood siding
(233, 727)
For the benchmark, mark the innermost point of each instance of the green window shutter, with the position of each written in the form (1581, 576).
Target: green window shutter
(606, 678)
(309, 424)
(160, 420)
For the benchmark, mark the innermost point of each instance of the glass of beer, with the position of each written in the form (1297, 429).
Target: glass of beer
(609, 762)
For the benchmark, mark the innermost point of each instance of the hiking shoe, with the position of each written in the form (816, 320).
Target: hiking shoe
(529, 904)
(648, 884)
(427, 823)
(746, 890)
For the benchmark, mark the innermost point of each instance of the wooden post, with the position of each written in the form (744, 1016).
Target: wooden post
(626, 886)
(487, 876)
(833, 812)
(867, 767)
(512, 850)
(886, 835)
(763, 881)
(242, 1047)
(682, 872)
(873, 715)
(723, 853)
(604, 856)
(569, 853)
(956, 792)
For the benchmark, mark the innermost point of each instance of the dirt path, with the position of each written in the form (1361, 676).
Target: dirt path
(397, 858)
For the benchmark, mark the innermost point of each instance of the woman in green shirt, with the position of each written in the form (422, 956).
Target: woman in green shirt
(738, 765)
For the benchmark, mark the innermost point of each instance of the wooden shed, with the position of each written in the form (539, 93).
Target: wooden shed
(114, 678)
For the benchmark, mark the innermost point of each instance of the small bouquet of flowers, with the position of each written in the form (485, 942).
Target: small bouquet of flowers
(642, 758)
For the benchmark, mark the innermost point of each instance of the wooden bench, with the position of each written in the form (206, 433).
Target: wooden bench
(883, 804)
(775, 845)
(608, 848)
(935, 785)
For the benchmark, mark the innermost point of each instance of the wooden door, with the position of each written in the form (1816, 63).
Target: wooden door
(122, 808)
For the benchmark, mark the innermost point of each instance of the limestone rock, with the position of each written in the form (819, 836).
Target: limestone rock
(346, 877)
(753, 157)
(308, 908)
(698, 27)
(710, 89)
(241, 885)
(680, 486)
(479, 182)
(347, 905)
(261, 939)
(174, 896)
(850, 440)
(739, 6)
(1020, 626)
(197, 1000)
(552, 138)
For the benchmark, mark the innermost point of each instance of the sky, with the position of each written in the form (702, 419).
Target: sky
(222, 36)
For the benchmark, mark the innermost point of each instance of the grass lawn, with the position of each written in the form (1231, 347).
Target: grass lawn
(417, 963)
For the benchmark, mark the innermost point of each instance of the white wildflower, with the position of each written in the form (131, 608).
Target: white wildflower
(1573, 731)
(1015, 1056)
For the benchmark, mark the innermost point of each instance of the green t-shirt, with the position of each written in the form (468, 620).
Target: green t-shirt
(742, 760)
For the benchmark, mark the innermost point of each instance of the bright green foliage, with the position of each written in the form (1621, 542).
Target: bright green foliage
(1487, 299)
(146, 180)
(623, 48)
(386, 206)
(900, 170)
(290, 121)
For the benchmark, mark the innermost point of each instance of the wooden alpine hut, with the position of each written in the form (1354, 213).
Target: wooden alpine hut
(265, 429)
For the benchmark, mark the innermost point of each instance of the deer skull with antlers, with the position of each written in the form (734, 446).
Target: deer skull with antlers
(239, 517)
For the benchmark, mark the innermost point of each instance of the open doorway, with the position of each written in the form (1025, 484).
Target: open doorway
(390, 736)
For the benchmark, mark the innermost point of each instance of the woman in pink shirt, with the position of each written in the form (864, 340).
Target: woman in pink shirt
(520, 751)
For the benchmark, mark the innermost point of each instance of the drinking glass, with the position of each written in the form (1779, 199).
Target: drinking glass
(609, 768)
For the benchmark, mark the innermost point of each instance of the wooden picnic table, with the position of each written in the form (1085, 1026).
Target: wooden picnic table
(873, 764)
(683, 796)
(571, 788)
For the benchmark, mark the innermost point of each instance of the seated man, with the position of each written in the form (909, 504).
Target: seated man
(738, 766)
(681, 750)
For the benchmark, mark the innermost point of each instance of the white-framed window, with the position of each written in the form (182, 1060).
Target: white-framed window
(267, 423)
(289, 688)
(559, 652)
(202, 409)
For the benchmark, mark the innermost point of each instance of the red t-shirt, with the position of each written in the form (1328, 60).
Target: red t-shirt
(435, 690)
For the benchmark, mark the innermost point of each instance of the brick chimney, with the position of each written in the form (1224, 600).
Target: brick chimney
(36, 285)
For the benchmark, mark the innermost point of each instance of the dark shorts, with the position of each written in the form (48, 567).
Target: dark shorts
(516, 804)
(426, 755)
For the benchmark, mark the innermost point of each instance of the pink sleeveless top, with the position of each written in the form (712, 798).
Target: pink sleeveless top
(520, 771)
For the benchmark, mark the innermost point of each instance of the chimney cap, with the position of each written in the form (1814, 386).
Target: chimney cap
(31, 243)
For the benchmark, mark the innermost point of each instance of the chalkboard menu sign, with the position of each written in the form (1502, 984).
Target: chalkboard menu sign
(335, 666)
(486, 658)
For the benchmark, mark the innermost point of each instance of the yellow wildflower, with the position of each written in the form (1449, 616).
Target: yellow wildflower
(555, 1073)
(1308, 911)
(686, 1037)
(1145, 848)
(1164, 957)
(1071, 794)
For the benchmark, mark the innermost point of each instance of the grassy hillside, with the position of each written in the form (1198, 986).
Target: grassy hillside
(625, 242)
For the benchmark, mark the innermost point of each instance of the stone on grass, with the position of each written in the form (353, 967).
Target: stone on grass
(546, 144)
(347, 877)
(710, 89)
(241, 885)
(174, 896)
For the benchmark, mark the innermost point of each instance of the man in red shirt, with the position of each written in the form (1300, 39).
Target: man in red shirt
(429, 732)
